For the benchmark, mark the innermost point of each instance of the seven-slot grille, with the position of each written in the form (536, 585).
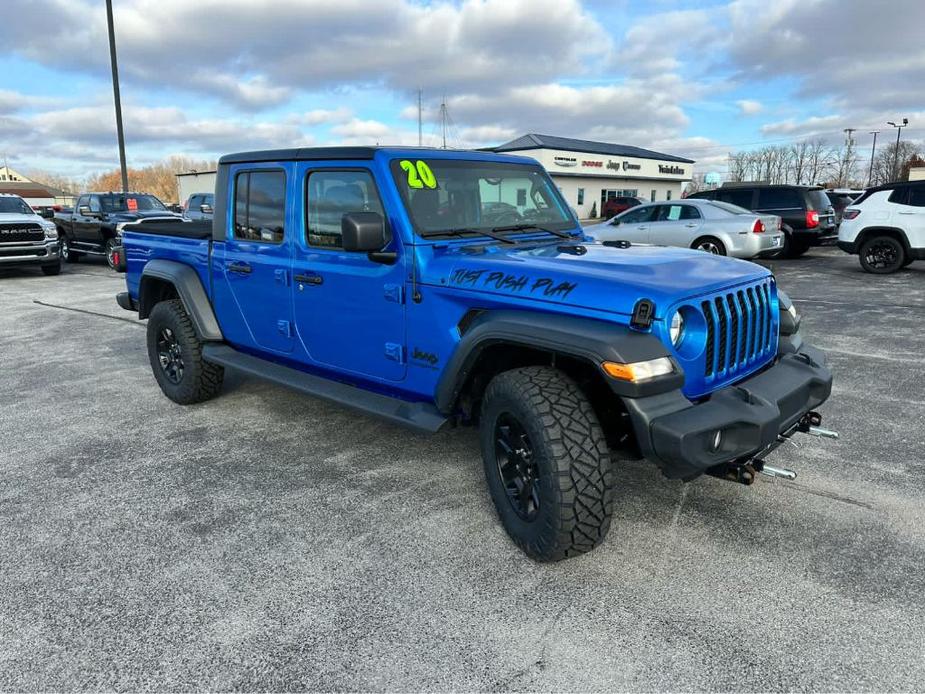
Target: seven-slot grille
(739, 329)
(18, 233)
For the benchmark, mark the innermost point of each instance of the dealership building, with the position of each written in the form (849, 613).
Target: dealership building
(586, 172)
(589, 172)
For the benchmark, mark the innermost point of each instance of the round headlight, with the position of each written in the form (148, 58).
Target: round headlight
(677, 328)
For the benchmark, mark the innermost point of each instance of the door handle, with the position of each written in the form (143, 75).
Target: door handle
(642, 228)
(903, 212)
(309, 279)
(690, 226)
(241, 268)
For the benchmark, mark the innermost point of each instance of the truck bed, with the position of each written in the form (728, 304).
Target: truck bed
(201, 229)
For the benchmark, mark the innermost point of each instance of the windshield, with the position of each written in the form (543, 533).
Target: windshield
(9, 205)
(452, 195)
(130, 203)
(729, 207)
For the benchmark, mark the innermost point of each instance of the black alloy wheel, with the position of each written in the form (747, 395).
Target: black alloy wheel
(519, 473)
(882, 255)
(170, 356)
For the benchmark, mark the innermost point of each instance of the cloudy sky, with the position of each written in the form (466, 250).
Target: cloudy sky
(203, 77)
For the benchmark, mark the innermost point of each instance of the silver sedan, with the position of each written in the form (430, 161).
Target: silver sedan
(706, 225)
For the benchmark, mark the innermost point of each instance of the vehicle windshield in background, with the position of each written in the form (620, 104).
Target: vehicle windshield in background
(130, 203)
(14, 206)
(729, 207)
(452, 195)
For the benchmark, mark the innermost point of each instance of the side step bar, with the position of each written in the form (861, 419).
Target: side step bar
(420, 416)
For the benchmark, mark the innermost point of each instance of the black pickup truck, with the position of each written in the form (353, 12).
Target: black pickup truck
(94, 226)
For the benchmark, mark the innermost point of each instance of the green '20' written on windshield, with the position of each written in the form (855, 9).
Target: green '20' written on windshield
(419, 174)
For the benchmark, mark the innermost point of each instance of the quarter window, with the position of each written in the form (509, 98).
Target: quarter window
(260, 206)
(917, 196)
(331, 195)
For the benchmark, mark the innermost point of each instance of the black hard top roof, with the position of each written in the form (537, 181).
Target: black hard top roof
(298, 153)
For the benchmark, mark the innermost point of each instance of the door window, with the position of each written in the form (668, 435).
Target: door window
(779, 199)
(83, 202)
(742, 198)
(260, 206)
(638, 215)
(331, 195)
(95, 204)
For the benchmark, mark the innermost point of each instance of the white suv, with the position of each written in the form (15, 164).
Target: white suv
(886, 227)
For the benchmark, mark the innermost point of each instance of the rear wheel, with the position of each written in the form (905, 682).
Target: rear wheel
(67, 253)
(547, 464)
(710, 244)
(793, 248)
(175, 353)
(882, 255)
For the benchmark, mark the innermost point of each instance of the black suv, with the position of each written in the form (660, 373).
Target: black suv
(808, 218)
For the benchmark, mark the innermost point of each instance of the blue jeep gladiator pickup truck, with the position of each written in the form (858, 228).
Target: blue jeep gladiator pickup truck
(384, 279)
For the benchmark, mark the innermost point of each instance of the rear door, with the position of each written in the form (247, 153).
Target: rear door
(255, 263)
(910, 215)
(349, 310)
(743, 197)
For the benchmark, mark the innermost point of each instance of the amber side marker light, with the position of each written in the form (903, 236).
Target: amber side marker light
(639, 370)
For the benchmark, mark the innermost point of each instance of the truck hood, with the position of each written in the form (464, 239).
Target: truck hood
(7, 218)
(601, 277)
(141, 214)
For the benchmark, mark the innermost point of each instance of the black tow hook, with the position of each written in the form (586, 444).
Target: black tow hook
(742, 473)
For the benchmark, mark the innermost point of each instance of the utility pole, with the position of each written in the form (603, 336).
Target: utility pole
(849, 143)
(116, 97)
(873, 150)
(899, 129)
(443, 119)
(420, 118)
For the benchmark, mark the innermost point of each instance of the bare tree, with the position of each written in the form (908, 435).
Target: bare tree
(883, 169)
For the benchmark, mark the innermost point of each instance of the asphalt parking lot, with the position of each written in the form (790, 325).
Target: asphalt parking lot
(266, 540)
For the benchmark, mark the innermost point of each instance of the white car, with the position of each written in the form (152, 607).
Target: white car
(26, 238)
(885, 227)
(706, 225)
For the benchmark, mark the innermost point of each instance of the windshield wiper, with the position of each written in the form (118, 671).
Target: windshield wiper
(525, 227)
(492, 233)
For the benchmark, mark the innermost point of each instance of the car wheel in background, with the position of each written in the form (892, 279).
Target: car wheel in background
(546, 461)
(792, 248)
(111, 245)
(710, 244)
(66, 252)
(52, 269)
(882, 255)
(175, 353)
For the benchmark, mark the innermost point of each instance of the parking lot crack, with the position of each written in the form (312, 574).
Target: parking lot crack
(89, 313)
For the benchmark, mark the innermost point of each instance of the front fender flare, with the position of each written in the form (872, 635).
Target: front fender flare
(584, 338)
(190, 290)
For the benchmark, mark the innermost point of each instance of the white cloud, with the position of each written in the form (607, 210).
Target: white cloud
(749, 107)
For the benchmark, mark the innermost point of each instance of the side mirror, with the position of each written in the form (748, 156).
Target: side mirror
(363, 232)
(205, 208)
(84, 211)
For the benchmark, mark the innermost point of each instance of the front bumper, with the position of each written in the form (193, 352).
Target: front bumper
(36, 253)
(679, 435)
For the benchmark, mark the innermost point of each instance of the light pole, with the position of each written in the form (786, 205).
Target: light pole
(873, 149)
(899, 129)
(116, 97)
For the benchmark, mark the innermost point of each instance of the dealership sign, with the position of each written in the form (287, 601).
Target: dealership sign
(565, 161)
(675, 170)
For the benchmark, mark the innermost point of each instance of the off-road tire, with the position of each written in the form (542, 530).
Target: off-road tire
(890, 259)
(51, 270)
(200, 380)
(66, 251)
(709, 244)
(573, 465)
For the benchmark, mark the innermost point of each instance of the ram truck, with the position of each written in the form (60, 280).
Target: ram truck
(380, 279)
(94, 226)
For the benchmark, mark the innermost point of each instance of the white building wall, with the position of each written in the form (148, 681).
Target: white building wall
(649, 179)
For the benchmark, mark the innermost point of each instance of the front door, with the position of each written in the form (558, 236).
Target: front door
(349, 310)
(633, 225)
(256, 260)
